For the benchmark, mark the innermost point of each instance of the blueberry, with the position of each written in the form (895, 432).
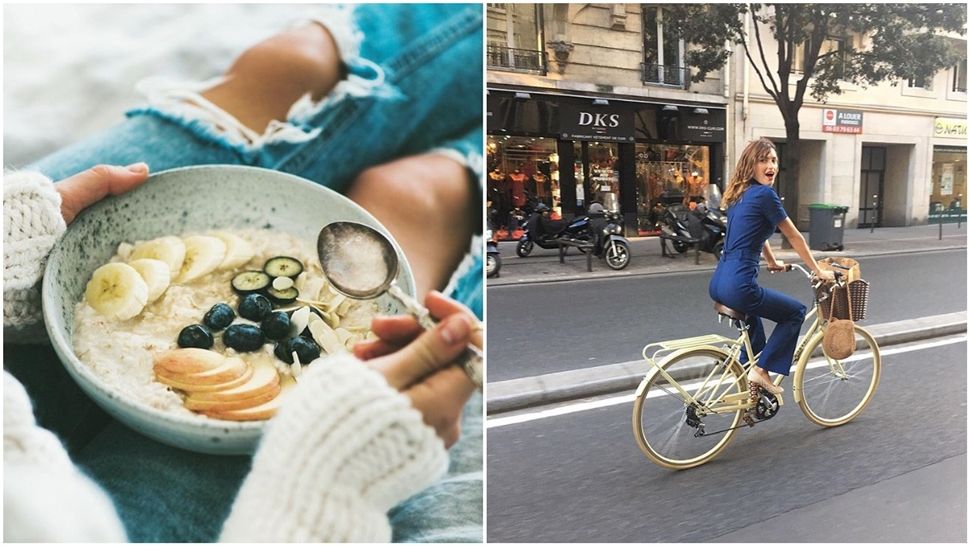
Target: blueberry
(243, 337)
(197, 336)
(255, 307)
(283, 352)
(306, 349)
(276, 325)
(220, 316)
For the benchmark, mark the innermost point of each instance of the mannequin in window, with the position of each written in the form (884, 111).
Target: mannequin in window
(517, 187)
(498, 187)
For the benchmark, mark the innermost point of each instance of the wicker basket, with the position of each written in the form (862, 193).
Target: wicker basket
(858, 292)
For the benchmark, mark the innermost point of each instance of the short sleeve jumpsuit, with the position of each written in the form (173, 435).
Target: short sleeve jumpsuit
(751, 221)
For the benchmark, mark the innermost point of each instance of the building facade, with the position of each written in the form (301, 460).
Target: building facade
(895, 155)
(593, 102)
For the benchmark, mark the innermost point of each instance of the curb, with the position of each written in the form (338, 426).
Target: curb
(608, 274)
(526, 392)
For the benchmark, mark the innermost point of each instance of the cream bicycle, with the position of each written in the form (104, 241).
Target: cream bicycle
(696, 395)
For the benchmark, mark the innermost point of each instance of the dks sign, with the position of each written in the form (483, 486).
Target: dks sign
(595, 123)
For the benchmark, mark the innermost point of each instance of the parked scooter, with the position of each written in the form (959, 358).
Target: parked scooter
(542, 231)
(610, 244)
(706, 224)
(493, 261)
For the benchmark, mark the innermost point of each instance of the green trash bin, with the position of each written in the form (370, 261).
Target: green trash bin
(826, 224)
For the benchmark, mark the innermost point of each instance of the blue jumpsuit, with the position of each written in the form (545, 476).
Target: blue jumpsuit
(751, 221)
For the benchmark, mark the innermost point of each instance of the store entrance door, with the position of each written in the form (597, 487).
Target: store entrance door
(597, 169)
(873, 176)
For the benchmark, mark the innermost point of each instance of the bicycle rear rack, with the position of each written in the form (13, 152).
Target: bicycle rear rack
(662, 349)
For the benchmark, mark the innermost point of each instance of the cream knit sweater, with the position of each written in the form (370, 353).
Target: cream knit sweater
(343, 450)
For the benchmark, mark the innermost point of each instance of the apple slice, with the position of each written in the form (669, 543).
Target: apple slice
(195, 404)
(264, 379)
(231, 368)
(189, 361)
(256, 413)
(193, 388)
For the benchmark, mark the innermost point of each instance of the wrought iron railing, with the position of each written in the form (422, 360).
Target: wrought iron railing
(517, 60)
(665, 75)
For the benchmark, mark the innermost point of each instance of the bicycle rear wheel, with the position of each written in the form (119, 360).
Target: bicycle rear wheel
(666, 426)
(833, 392)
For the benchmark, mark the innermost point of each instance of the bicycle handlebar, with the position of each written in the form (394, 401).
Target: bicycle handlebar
(839, 276)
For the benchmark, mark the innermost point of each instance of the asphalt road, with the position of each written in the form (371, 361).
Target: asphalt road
(543, 328)
(897, 473)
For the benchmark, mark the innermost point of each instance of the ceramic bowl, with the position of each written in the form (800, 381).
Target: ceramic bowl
(171, 203)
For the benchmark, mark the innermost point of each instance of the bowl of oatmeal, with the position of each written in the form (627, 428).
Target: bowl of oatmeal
(189, 307)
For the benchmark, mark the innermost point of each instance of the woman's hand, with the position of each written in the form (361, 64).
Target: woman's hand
(776, 266)
(84, 189)
(416, 362)
(825, 274)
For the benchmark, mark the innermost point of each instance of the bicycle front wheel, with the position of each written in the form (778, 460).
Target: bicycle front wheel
(833, 392)
(668, 428)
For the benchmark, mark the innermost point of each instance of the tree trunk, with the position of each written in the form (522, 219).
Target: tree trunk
(791, 165)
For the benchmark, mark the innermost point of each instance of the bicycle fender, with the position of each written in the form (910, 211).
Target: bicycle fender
(655, 369)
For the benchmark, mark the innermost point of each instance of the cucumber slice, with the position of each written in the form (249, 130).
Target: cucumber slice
(283, 266)
(282, 297)
(249, 282)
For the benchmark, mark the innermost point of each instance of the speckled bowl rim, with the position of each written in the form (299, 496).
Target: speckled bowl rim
(65, 351)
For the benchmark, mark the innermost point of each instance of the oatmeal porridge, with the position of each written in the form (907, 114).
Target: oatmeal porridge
(213, 324)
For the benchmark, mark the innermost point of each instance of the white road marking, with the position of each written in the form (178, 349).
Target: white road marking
(495, 422)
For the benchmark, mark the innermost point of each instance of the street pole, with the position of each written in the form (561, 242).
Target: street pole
(875, 207)
(939, 212)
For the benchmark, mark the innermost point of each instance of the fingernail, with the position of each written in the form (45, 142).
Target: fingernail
(139, 168)
(455, 328)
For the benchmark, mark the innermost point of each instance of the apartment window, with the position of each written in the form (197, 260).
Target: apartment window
(663, 55)
(833, 46)
(960, 77)
(924, 81)
(515, 38)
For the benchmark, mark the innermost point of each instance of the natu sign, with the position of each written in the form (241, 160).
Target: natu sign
(601, 123)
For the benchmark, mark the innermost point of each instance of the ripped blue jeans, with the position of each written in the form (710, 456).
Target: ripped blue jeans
(413, 85)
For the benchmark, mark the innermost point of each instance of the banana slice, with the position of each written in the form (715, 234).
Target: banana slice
(117, 291)
(238, 250)
(170, 250)
(203, 255)
(156, 275)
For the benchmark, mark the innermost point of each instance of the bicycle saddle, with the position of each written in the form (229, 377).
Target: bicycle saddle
(729, 313)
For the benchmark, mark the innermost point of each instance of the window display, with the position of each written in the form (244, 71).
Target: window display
(949, 195)
(522, 172)
(668, 174)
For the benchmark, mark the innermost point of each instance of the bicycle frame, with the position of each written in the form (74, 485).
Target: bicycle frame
(713, 399)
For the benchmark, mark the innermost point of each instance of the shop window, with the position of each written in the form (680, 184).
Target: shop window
(604, 175)
(515, 38)
(662, 53)
(949, 192)
(668, 175)
(960, 77)
(523, 172)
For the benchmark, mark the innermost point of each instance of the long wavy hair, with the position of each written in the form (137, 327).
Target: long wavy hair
(755, 151)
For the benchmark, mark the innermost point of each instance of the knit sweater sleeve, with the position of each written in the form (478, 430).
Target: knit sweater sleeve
(343, 450)
(32, 223)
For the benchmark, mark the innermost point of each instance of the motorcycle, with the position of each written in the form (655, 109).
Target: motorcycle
(540, 230)
(704, 226)
(610, 244)
(600, 227)
(493, 261)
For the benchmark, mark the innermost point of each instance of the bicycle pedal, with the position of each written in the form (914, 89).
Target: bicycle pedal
(748, 419)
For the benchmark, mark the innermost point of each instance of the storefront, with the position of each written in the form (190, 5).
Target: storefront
(634, 158)
(948, 197)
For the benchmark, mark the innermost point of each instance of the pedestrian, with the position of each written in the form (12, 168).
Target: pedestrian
(754, 211)
(373, 101)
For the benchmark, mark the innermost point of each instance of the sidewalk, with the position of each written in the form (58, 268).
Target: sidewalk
(543, 265)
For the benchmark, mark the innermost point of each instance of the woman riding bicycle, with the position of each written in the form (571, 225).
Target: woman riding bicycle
(754, 211)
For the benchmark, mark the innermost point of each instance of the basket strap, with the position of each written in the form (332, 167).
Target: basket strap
(848, 301)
